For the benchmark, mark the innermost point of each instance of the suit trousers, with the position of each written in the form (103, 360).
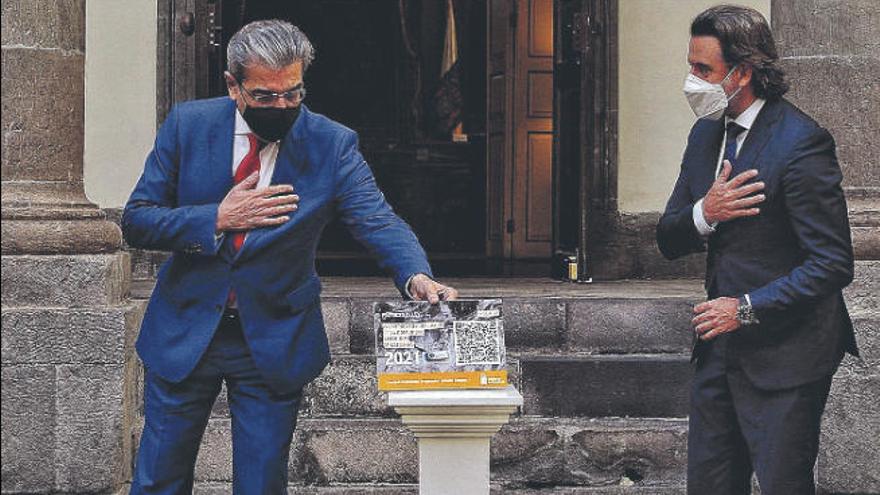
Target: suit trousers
(176, 415)
(736, 429)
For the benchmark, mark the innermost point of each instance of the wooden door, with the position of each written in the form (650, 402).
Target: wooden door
(520, 129)
(531, 186)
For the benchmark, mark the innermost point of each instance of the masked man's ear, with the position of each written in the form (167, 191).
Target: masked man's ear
(231, 84)
(745, 75)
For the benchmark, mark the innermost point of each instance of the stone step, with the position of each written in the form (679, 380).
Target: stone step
(610, 385)
(529, 452)
(223, 488)
(540, 315)
(538, 310)
(218, 488)
(647, 324)
(546, 315)
(625, 489)
(555, 385)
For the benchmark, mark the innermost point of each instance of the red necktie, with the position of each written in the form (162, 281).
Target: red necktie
(249, 164)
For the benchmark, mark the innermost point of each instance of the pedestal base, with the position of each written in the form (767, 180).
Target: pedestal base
(453, 428)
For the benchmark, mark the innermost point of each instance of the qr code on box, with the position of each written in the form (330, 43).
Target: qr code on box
(478, 342)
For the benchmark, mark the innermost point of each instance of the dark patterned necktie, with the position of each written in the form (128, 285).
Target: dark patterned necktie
(733, 131)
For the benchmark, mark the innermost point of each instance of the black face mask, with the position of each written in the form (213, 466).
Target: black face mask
(270, 124)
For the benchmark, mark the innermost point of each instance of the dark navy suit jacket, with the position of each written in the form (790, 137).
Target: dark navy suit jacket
(174, 208)
(792, 259)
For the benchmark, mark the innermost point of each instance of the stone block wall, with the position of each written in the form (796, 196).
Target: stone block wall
(65, 281)
(831, 53)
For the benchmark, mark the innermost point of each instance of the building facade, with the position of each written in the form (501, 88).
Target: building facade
(85, 84)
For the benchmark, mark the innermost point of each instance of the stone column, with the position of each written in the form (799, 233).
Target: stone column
(831, 54)
(64, 278)
(453, 428)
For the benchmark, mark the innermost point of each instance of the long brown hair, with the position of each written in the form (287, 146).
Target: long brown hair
(745, 39)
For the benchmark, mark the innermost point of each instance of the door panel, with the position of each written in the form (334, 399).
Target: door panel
(530, 190)
(539, 208)
(540, 94)
(541, 28)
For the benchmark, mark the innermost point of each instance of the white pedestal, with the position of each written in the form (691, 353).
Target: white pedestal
(453, 428)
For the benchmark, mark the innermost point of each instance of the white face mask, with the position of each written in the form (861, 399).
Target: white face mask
(707, 100)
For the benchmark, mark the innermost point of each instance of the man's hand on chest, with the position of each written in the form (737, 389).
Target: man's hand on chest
(247, 208)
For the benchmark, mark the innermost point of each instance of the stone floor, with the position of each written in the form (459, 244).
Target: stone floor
(479, 287)
(523, 288)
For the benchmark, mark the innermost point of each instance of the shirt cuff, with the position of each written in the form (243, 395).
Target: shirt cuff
(406, 286)
(703, 227)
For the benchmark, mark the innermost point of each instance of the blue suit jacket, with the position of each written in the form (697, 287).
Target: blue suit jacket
(174, 208)
(792, 259)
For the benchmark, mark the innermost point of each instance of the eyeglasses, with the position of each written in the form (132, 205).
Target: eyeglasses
(295, 95)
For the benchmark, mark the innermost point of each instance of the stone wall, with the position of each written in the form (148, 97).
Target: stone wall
(831, 54)
(64, 278)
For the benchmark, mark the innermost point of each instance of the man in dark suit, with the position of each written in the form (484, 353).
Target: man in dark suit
(759, 189)
(239, 189)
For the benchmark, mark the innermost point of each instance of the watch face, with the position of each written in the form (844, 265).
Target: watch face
(745, 315)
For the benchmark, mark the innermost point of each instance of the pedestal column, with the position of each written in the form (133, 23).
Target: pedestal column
(453, 428)
(64, 278)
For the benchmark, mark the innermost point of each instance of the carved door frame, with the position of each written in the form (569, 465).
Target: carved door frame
(585, 126)
(190, 49)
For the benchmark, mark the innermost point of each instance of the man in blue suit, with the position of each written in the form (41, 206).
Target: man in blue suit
(239, 189)
(759, 189)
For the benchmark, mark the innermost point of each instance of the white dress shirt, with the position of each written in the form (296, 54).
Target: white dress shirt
(242, 145)
(746, 119)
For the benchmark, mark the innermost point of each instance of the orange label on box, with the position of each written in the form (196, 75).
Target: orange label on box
(443, 379)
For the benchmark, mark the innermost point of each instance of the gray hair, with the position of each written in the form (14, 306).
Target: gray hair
(272, 43)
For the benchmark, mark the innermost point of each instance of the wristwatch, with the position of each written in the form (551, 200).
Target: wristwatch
(745, 314)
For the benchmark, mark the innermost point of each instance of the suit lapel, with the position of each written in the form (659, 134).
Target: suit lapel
(757, 138)
(706, 156)
(220, 143)
(290, 155)
(288, 164)
(218, 176)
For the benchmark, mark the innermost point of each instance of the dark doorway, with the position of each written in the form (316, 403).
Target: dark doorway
(491, 202)
(378, 70)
